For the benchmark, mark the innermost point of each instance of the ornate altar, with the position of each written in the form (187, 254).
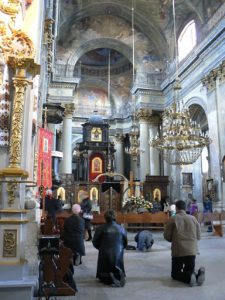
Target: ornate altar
(155, 187)
(95, 153)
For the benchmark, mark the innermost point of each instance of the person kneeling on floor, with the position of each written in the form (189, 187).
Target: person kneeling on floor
(110, 239)
(144, 240)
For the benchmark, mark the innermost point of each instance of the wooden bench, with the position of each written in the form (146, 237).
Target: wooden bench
(54, 270)
(215, 218)
(136, 221)
(145, 220)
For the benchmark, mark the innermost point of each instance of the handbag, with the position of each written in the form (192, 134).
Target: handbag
(88, 216)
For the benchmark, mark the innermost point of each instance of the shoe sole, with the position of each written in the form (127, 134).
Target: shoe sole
(201, 276)
(192, 280)
(115, 282)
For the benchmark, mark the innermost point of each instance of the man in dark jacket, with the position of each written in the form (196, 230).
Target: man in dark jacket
(73, 234)
(52, 204)
(86, 207)
(110, 239)
(183, 231)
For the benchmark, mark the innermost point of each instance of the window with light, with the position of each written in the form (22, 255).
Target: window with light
(187, 40)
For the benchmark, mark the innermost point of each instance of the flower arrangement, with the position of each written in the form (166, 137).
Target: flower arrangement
(137, 202)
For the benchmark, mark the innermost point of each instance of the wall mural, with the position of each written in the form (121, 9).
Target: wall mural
(108, 27)
(89, 99)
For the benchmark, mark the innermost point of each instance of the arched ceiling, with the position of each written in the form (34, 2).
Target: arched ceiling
(87, 29)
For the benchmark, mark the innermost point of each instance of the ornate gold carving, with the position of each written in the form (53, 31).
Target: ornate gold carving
(17, 122)
(49, 38)
(11, 188)
(144, 114)
(13, 221)
(9, 243)
(69, 109)
(18, 45)
(12, 8)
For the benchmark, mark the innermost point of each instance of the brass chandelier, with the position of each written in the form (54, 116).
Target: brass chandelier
(181, 141)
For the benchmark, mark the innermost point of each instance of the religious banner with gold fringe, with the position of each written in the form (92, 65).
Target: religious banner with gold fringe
(45, 158)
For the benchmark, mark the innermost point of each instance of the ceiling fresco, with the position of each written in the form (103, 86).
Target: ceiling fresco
(93, 27)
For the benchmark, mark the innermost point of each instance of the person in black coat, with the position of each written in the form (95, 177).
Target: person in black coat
(52, 204)
(73, 234)
(86, 207)
(110, 239)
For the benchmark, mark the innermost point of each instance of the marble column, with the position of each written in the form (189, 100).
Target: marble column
(154, 153)
(66, 165)
(143, 116)
(119, 153)
(135, 169)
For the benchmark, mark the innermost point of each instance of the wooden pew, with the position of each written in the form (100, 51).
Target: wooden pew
(55, 270)
(216, 218)
(145, 220)
(130, 220)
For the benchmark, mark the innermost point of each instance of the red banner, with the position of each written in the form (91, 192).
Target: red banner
(44, 177)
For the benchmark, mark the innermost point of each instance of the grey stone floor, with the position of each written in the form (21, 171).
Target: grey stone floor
(148, 274)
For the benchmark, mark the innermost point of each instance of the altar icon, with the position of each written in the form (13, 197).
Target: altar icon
(96, 166)
(157, 194)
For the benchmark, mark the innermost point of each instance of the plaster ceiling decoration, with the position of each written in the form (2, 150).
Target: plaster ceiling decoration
(87, 29)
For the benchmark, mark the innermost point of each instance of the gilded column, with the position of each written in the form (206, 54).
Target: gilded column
(18, 52)
(154, 154)
(144, 117)
(66, 165)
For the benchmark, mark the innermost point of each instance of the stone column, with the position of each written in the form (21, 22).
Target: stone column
(154, 153)
(66, 165)
(143, 116)
(135, 169)
(119, 153)
(211, 83)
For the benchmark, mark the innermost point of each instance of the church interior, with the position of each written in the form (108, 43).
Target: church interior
(122, 99)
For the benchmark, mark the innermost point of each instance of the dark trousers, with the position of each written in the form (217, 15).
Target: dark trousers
(183, 267)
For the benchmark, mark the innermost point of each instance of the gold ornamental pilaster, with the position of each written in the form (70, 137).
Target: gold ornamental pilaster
(20, 85)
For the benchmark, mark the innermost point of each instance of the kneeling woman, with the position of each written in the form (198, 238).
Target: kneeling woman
(110, 239)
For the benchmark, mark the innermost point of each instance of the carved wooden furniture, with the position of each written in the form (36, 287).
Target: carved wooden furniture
(155, 186)
(53, 271)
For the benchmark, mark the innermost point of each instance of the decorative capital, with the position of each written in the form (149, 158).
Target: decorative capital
(209, 81)
(119, 138)
(144, 114)
(23, 65)
(69, 109)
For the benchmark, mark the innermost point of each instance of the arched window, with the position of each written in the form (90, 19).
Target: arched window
(186, 40)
